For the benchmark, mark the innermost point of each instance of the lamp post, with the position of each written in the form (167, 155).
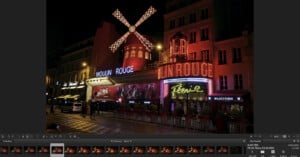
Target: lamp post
(159, 48)
(86, 74)
(85, 69)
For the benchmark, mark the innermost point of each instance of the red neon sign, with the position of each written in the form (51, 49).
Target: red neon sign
(186, 69)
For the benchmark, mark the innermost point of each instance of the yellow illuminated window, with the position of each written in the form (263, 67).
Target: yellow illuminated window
(132, 54)
(140, 54)
(146, 55)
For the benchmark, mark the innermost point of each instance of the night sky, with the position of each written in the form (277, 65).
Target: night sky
(71, 21)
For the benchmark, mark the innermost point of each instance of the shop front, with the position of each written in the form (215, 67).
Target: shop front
(185, 95)
(185, 86)
(236, 104)
(72, 90)
(128, 93)
(134, 90)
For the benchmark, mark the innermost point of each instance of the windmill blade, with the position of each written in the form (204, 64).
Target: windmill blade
(117, 14)
(144, 41)
(146, 15)
(117, 44)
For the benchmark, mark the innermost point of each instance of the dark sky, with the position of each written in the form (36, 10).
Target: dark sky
(72, 21)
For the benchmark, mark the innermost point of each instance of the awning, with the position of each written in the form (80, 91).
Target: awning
(68, 96)
(100, 81)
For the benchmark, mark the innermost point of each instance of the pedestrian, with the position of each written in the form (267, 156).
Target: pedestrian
(98, 107)
(84, 109)
(51, 107)
(92, 109)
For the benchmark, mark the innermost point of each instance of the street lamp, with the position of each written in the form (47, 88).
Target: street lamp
(84, 64)
(159, 46)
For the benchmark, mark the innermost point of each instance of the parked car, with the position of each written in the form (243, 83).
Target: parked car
(72, 107)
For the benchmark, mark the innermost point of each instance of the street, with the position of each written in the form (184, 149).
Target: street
(105, 123)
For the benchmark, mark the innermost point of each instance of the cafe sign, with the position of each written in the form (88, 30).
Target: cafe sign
(183, 89)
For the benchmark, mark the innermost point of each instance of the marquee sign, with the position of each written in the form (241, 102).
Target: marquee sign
(186, 69)
(117, 71)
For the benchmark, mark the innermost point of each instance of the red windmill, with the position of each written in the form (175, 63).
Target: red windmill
(138, 48)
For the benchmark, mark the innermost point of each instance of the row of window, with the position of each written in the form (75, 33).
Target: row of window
(139, 54)
(204, 55)
(204, 35)
(203, 14)
(237, 82)
(236, 56)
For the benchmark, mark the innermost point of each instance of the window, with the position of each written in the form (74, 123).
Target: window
(222, 57)
(192, 37)
(205, 55)
(172, 24)
(238, 81)
(146, 55)
(236, 55)
(132, 54)
(223, 82)
(193, 56)
(140, 54)
(204, 14)
(181, 21)
(192, 17)
(204, 34)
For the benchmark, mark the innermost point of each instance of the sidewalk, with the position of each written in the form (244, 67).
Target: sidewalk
(54, 126)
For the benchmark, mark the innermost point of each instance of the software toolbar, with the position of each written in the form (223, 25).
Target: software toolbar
(67, 145)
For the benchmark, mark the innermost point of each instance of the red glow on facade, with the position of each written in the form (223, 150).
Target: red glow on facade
(135, 53)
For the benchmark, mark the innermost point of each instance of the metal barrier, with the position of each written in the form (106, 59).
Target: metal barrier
(201, 123)
(237, 126)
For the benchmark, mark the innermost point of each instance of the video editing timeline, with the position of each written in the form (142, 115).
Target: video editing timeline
(68, 145)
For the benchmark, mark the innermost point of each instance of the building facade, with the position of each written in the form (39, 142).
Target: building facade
(74, 69)
(193, 36)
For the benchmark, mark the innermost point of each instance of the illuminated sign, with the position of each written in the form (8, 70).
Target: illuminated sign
(104, 73)
(72, 83)
(131, 102)
(118, 71)
(186, 69)
(126, 70)
(225, 98)
(147, 102)
(179, 89)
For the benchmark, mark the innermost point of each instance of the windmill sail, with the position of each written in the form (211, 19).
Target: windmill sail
(132, 29)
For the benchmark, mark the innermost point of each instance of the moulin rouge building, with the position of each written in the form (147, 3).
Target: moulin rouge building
(199, 65)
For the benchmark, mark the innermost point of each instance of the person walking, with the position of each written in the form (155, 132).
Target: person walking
(92, 109)
(84, 109)
(52, 108)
